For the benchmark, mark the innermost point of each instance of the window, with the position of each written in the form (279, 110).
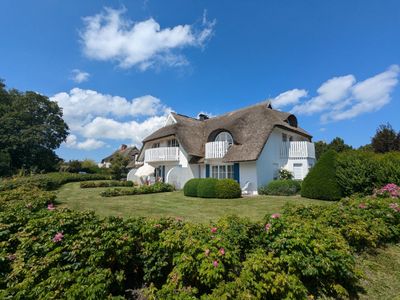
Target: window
(172, 143)
(290, 139)
(222, 171)
(284, 137)
(155, 145)
(224, 137)
(275, 171)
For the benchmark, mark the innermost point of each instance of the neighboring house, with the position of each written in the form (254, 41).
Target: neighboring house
(249, 145)
(130, 152)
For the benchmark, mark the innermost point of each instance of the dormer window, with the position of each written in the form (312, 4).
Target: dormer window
(173, 143)
(155, 145)
(224, 137)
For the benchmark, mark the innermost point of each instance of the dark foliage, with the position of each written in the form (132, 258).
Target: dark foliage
(321, 181)
(281, 188)
(190, 188)
(386, 139)
(227, 189)
(206, 188)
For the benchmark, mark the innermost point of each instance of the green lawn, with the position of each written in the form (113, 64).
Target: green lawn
(381, 273)
(173, 204)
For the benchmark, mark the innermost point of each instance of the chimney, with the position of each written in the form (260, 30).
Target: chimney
(123, 147)
(203, 117)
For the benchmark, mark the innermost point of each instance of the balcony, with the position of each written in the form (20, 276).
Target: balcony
(162, 154)
(297, 150)
(215, 150)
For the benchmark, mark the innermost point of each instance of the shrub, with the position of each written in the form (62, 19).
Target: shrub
(363, 171)
(190, 188)
(112, 183)
(321, 182)
(285, 174)
(206, 188)
(158, 187)
(227, 189)
(388, 191)
(49, 181)
(280, 188)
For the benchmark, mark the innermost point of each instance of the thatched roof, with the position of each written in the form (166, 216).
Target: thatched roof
(250, 128)
(129, 152)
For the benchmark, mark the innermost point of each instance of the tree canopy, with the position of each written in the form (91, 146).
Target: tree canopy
(386, 139)
(337, 144)
(31, 129)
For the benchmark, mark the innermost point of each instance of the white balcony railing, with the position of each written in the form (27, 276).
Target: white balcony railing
(161, 154)
(216, 149)
(301, 149)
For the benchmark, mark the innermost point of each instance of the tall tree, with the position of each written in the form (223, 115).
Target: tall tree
(385, 139)
(338, 145)
(31, 129)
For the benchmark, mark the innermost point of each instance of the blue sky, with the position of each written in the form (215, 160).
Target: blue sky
(118, 67)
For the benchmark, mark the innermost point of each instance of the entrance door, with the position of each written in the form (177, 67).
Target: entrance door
(298, 171)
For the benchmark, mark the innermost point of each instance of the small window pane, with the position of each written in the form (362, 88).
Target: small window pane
(229, 171)
(222, 172)
(214, 171)
(224, 137)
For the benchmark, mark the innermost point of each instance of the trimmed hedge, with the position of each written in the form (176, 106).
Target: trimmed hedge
(206, 188)
(362, 171)
(227, 189)
(158, 187)
(281, 188)
(111, 183)
(190, 188)
(321, 181)
(212, 188)
(49, 181)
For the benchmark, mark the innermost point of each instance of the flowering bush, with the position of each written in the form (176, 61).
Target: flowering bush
(390, 190)
(304, 251)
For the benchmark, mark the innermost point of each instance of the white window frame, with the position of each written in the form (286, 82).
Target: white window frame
(224, 136)
(172, 143)
(222, 171)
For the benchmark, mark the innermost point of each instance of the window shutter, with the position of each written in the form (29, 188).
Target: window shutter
(236, 171)
(207, 171)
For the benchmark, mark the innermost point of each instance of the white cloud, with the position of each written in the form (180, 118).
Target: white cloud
(288, 98)
(88, 144)
(342, 98)
(79, 76)
(110, 36)
(82, 106)
(94, 116)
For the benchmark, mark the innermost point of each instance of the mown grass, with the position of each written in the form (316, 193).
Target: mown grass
(174, 204)
(381, 273)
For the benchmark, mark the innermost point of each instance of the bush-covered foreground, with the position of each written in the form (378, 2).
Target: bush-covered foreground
(49, 181)
(212, 188)
(47, 252)
(108, 183)
(158, 187)
(286, 187)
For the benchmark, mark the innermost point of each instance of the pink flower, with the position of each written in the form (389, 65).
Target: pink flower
(267, 227)
(215, 263)
(362, 205)
(11, 257)
(51, 206)
(58, 237)
(275, 216)
(222, 251)
(207, 252)
(214, 229)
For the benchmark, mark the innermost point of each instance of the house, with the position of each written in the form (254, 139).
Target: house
(129, 152)
(249, 145)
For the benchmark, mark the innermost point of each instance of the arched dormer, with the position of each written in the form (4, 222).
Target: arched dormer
(221, 135)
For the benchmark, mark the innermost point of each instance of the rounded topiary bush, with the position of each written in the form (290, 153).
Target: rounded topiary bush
(190, 188)
(321, 181)
(206, 188)
(281, 188)
(228, 189)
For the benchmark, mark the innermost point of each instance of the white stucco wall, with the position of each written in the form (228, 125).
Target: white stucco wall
(269, 159)
(248, 173)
